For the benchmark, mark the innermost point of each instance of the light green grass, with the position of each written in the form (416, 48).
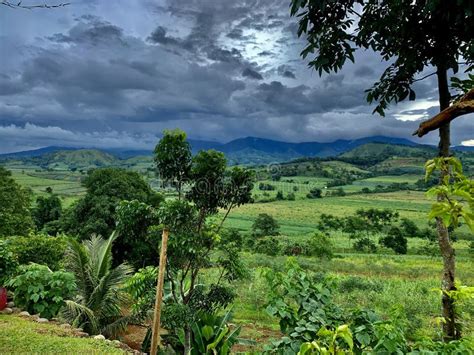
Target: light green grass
(21, 336)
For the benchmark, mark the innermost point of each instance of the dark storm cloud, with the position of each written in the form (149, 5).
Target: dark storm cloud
(252, 74)
(219, 70)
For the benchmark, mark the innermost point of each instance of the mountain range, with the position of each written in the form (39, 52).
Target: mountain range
(249, 150)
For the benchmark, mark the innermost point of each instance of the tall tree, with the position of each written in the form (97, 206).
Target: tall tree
(411, 36)
(173, 158)
(15, 215)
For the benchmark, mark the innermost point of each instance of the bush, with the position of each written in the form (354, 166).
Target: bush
(365, 245)
(279, 196)
(40, 290)
(294, 249)
(395, 241)
(268, 245)
(320, 245)
(315, 193)
(8, 263)
(265, 225)
(39, 249)
(291, 196)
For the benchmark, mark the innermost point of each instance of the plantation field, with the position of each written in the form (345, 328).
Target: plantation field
(372, 281)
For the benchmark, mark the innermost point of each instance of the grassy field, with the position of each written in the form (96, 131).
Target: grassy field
(21, 336)
(377, 281)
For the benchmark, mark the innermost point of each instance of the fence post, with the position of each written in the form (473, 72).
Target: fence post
(155, 338)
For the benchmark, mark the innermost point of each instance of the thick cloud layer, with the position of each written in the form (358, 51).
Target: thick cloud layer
(115, 73)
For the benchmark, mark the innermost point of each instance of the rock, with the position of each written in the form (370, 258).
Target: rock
(65, 326)
(24, 314)
(99, 337)
(11, 304)
(16, 310)
(116, 343)
(42, 320)
(79, 329)
(7, 311)
(35, 316)
(82, 334)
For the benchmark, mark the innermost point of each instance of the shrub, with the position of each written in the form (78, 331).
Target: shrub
(268, 245)
(291, 196)
(265, 225)
(39, 249)
(395, 241)
(294, 249)
(315, 193)
(409, 228)
(142, 289)
(279, 195)
(40, 290)
(365, 245)
(320, 245)
(8, 263)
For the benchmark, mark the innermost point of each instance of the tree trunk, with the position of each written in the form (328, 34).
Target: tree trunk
(187, 340)
(447, 251)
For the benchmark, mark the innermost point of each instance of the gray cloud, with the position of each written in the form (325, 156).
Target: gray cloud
(219, 70)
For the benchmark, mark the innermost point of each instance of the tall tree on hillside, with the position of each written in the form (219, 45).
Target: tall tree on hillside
(15, 215)
(173, 158)
(410, 36)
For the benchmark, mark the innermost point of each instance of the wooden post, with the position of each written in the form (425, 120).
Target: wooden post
(155, 337)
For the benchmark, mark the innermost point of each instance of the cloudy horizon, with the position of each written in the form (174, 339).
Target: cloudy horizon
(115, 74)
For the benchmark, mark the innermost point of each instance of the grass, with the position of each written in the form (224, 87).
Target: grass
(21, 336)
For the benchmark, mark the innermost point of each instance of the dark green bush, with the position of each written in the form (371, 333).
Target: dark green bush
(39, 249)
(8, 263)
(365, 245)
(395, 241)
(268, 245)
(39, 290)
(265, 225)
(320, 245)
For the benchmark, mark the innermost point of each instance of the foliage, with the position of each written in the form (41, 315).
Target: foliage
(395, 240)
(212, 334)
(8, 263)
(39, 290)
(328, 343)
(410, 229)
(456, 190)
(134, 243)
(173, 158)
(320, 245)
(106, 187)
(48, 209)
(141, 287)
(97, 307)
(335, 29)
(365, 244)
(315, 193)
(39, 249)
(302, 304)
(267, 245)
(265, 225)
(15, 216)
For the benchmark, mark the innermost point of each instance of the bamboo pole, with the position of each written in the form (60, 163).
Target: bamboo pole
(155, 338)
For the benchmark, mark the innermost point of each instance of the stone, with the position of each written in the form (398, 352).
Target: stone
(11, 304)
(65, 326)
(116, 343)
(99, 337)
(24, 314)
(7, 311)
(16, 310)
(42, 320)
(82, 334)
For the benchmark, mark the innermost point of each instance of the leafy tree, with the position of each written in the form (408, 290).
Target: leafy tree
(268, 246)
(409, 228)
(365, 244)
(321, 246)
(410, 36)
(134, 243)
(329, 222)
(8, 263)
(15, 215)
(48, 209)
(315, 193)
(97, 308)
(376, 220)
(395, 240)
(265, 225)
(173, 158)
(95, 212)
(279, 195)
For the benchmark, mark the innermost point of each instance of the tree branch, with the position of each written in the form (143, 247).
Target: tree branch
(464, 106)
(18, 5)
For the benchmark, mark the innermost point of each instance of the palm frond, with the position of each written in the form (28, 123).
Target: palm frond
(79, 315)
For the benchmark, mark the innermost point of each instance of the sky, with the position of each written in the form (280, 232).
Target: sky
(114, 74)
